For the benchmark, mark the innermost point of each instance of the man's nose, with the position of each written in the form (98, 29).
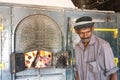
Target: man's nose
(85, 35)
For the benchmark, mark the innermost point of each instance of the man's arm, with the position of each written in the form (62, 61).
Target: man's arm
(113, 76)
(77, 76)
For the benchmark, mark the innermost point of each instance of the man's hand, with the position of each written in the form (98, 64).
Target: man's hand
(77, 76)
(113, 76)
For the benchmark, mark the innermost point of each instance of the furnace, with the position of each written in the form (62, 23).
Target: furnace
(38, 37)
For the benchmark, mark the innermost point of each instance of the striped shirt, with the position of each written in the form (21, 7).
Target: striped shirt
(96, 62)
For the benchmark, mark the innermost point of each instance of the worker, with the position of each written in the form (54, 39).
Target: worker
(94, 56)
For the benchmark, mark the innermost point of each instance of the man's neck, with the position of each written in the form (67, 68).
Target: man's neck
(85, 44)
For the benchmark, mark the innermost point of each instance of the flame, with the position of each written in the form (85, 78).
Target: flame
(38, 59)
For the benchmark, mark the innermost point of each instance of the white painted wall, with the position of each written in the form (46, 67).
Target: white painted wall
(57, 3)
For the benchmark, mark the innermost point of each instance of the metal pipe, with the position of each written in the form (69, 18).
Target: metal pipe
(109, 30)
(97, 3)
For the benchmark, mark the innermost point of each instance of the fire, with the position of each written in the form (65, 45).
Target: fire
(38, 59)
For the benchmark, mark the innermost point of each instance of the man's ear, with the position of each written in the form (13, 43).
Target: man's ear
(76, 31)
(92, 28)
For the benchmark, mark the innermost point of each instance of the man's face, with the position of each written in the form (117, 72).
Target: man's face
(85, 34)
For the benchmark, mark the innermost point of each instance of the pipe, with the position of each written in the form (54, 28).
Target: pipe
(115, 30)
(98, 3)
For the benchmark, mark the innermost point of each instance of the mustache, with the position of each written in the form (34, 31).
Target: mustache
(85, 39)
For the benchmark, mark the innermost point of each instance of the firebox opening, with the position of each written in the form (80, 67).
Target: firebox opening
(33, 59)
(38, 59)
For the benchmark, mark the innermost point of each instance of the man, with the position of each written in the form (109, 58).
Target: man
(94, 56)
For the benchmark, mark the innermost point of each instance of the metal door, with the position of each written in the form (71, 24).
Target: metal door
(106, 27)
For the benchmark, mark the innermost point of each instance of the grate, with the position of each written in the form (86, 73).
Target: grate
(37, 32)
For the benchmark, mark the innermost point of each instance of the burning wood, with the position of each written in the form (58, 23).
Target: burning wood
(38, 59)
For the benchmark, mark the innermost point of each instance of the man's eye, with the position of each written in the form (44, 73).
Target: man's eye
(81, 33)
(88, 32)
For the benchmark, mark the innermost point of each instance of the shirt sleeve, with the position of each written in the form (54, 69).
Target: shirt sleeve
(76, 65)
(108, 59)
(76, 57)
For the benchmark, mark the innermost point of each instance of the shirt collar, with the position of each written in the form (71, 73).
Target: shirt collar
(92, 40)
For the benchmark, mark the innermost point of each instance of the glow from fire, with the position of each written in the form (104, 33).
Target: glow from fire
(38, 59)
